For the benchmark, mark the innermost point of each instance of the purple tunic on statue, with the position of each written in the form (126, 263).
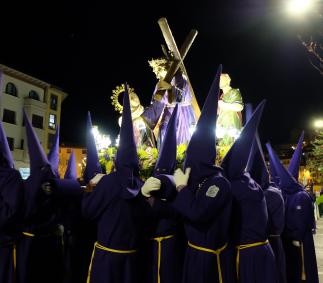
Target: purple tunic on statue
(206, 208)
(276, 223)
(301, 263)
(186, 116)
(119, 212)
(11, 192)
(255, 263)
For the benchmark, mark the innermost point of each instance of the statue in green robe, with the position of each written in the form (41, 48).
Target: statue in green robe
(229, 121)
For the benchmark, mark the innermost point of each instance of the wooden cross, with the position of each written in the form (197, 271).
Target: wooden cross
(179, 56)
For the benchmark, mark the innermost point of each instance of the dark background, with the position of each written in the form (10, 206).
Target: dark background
(88, 48)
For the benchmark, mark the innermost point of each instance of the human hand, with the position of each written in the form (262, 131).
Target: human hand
(93, 182)
(151, 184)
(297, 243)
(163, 85)
(181, 179)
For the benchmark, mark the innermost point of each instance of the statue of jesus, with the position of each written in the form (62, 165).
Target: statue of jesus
(177, 92)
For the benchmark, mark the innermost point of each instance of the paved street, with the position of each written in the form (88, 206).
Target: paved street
(319, 247)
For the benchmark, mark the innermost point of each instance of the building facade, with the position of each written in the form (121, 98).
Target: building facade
(42, 103)
(64, 156)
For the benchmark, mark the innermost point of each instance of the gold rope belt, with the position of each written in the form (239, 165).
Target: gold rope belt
(303, 263)
(215, 252)
(14, 258)
(28, 234)
(159, 240)
(98, 246)
(246, 246)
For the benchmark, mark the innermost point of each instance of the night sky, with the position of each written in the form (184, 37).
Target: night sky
(87, 49)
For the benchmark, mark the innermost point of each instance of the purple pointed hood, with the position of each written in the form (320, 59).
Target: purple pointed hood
(37, 156)
(248, 111)
(287, 182)
(257, 165)
(126, 157)
(201, 150)
(295, 162)
(71, 172)
(272, 170)
(93, 166)
(236, 159)
(53, 155)
(166, 161)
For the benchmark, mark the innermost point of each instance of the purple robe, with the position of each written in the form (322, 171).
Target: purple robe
(11, 192)
(79, 234)
(40, 249)
(168, 226)
(186, 116)
(206, 208)
(250, 223)
(276, 222)
(299, 218)
(119, 211)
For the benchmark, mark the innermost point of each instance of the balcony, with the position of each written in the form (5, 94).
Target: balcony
(30, 102)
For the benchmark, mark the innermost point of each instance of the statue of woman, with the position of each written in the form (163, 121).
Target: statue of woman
(143, 134)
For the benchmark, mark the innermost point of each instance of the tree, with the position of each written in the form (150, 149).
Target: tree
(311, 37)
(315, 161)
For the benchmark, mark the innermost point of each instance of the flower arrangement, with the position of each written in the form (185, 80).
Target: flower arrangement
(147, 159)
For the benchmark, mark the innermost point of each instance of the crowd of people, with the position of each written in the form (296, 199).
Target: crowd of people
(241, 222)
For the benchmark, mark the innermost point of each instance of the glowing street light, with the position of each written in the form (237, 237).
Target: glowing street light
(101, 141)
(318, 123)
(298, 7)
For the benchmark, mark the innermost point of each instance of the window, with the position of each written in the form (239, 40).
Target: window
(52, 122)
(11, 89)
(9, 116)
(83, 151)
(68, 150)
(11, 142)
(51, 140)
(34, 95)
(22, 144)
(37, 121)
(53, 102)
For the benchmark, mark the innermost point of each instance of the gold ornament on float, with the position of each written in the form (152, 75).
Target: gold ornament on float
(115, 96)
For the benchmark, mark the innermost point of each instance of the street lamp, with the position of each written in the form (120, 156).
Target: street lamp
(298, 7)
(318, 123)
(102, 141)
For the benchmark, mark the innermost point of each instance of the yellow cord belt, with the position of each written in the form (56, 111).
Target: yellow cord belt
(159, 240)
(246, 246)
(28, 234)
(98, 246)
(303, 263)
(14, 259)
(215, 252)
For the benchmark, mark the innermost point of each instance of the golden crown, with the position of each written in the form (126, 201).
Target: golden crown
(115, 96)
